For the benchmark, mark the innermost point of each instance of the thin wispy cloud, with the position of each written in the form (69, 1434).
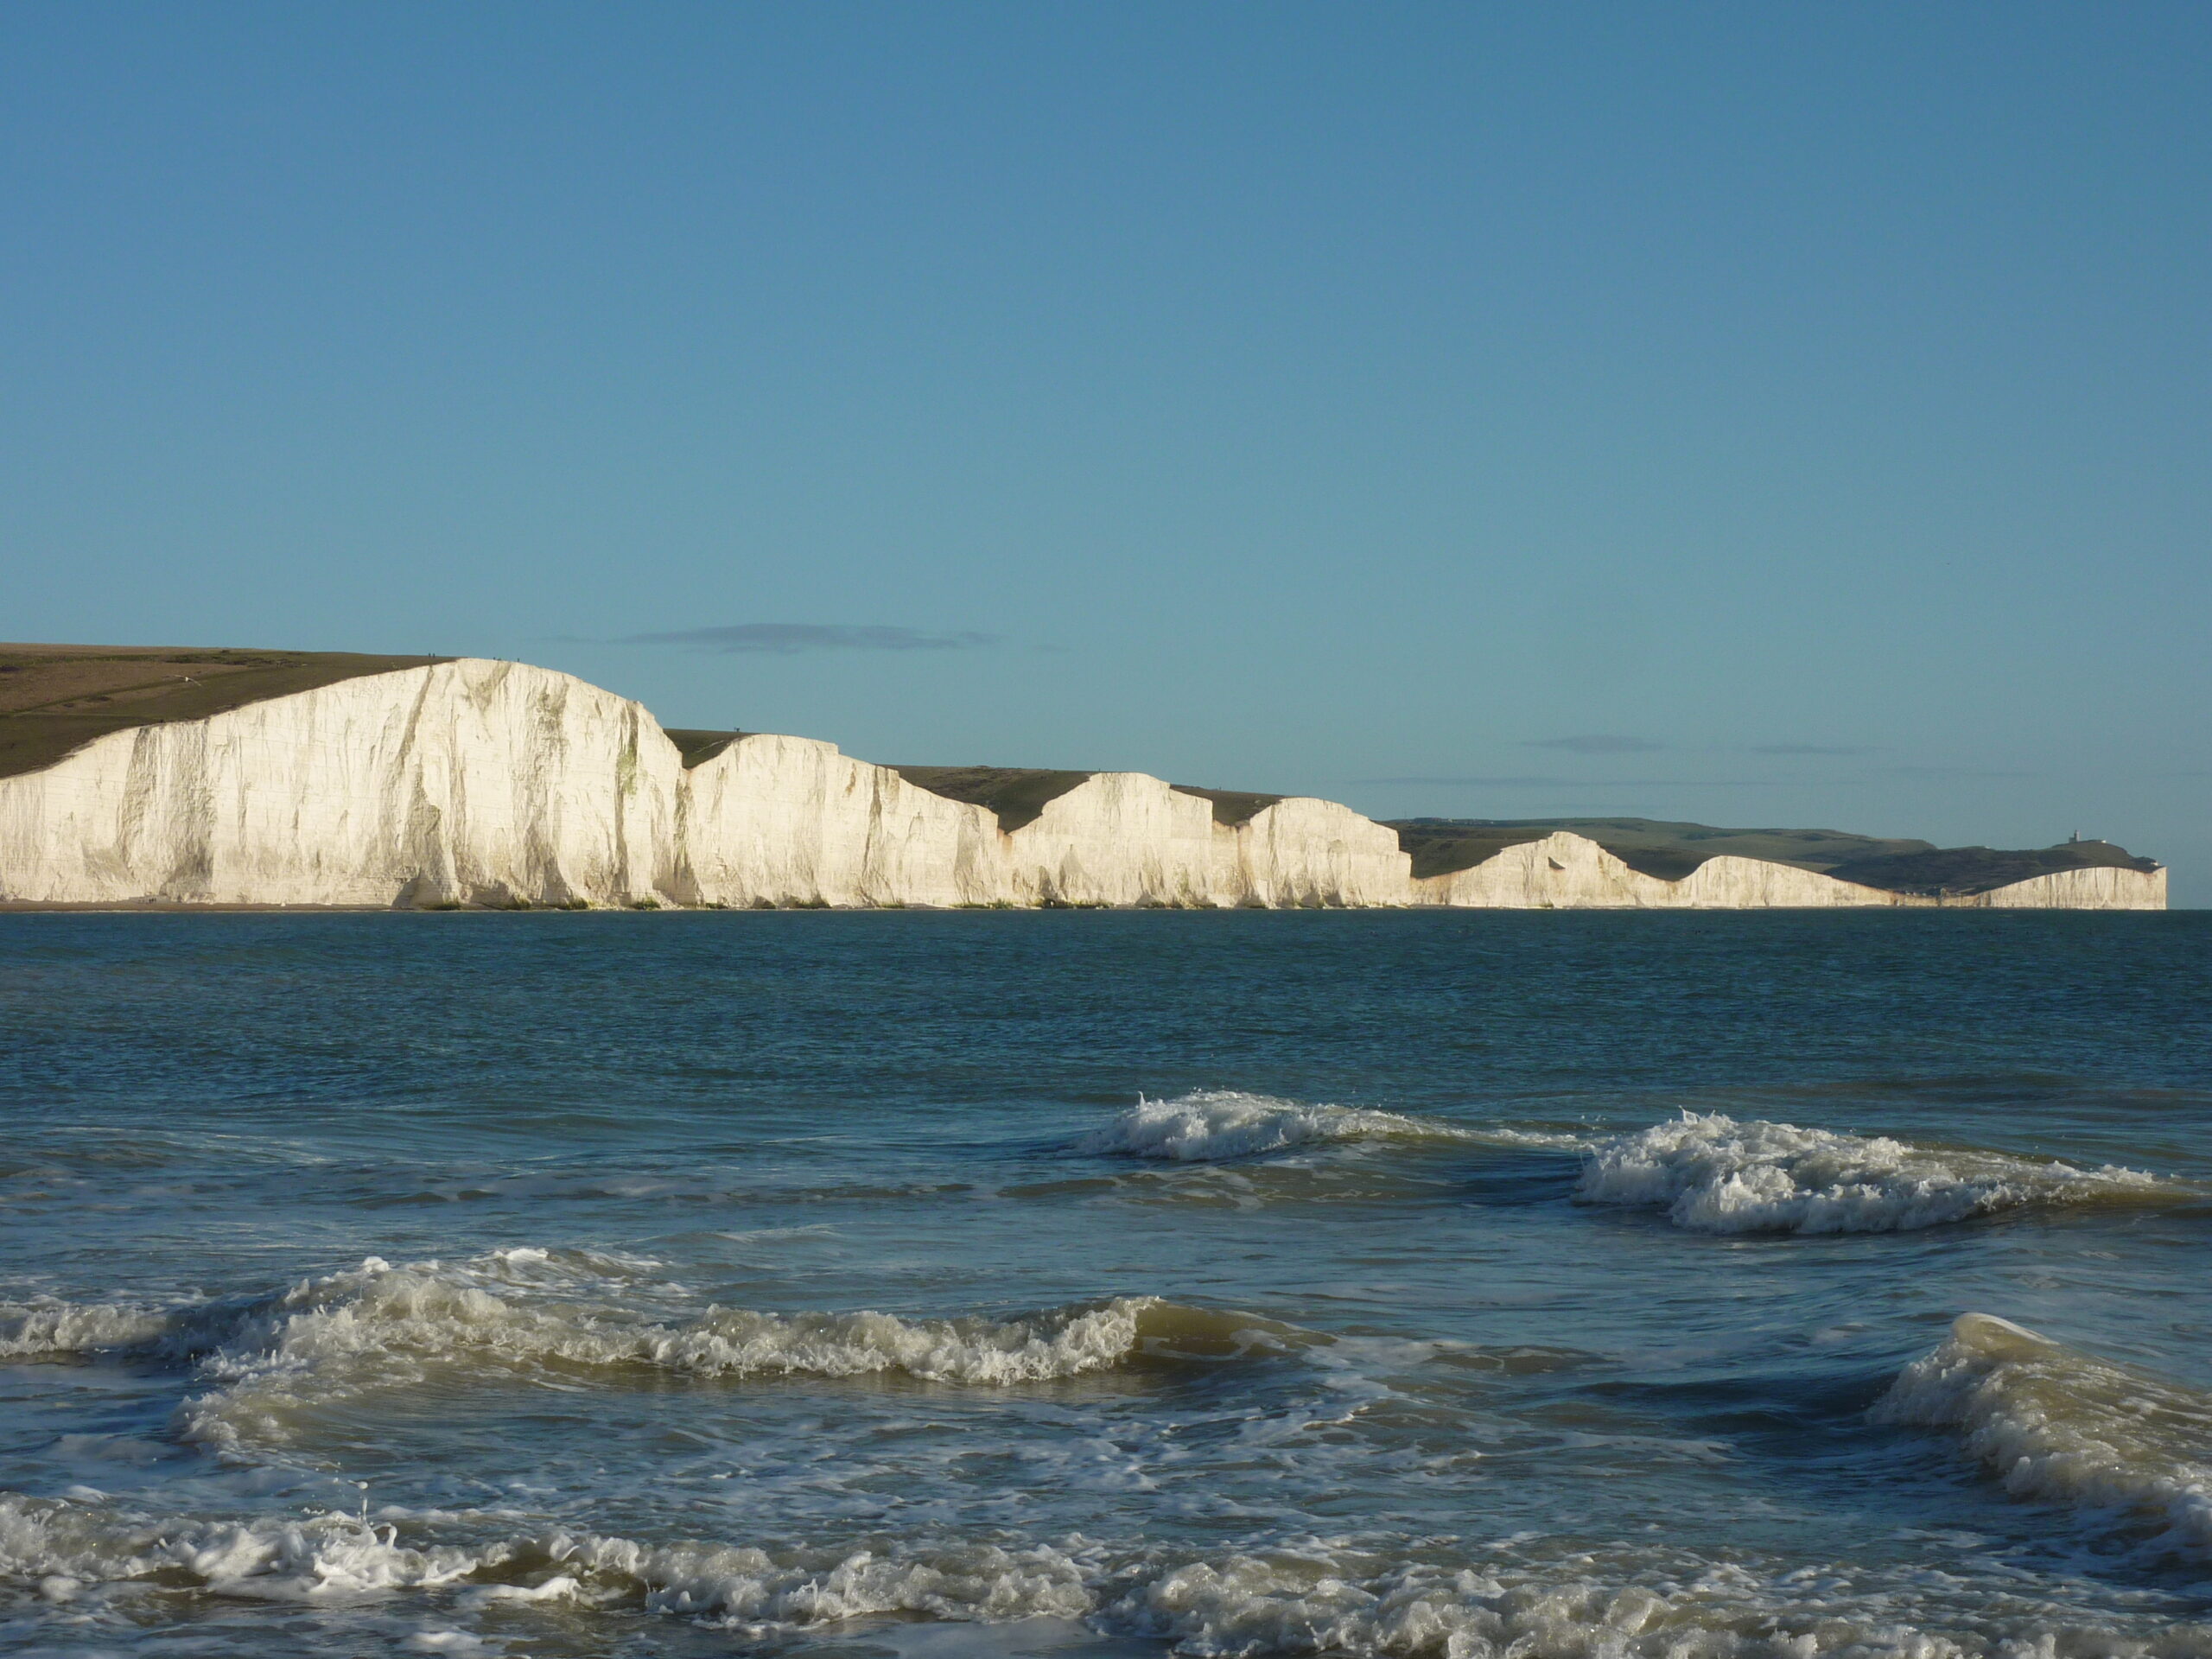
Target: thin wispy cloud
(1808, 748)
(1608, 785)
(1595, 743)
(789, 638)
(1953, 771)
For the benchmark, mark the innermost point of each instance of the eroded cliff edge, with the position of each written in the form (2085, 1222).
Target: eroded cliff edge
(279, 779)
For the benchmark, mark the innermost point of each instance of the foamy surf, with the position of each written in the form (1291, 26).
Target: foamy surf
(1213, 1125)
(378, 1326)
(1218, 1123)
(2053, 1422)
(63, 1548)
(1296, 1596)
(1712, 1174)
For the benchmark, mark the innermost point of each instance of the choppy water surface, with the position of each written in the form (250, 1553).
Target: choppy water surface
(936, 1284)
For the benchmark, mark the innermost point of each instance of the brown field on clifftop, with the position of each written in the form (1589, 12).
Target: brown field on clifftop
(57, 698)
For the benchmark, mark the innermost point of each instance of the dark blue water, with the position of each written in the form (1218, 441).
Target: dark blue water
(823, 1282)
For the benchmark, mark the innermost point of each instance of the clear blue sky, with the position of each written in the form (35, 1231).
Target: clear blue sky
(1774, 414)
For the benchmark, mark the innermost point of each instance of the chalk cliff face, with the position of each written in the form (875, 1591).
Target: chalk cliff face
(790, 821)
(1560, 871)
(493, 783)
(1116, 838)
(1301, 851)
(2090, 889)
(469, 781)
(490, 783)
(1567, 872)
(1728, 883)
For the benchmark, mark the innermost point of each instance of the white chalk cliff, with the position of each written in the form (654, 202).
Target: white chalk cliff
(488, 783)
(1116, 838)
(1567, 872)
(467, 781)
(790, 821)
(2094, 889)
(1301, 851)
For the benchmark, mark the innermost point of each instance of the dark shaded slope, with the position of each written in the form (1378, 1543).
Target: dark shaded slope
(1017, 794)
(1230, 806)
(1667, 850)
(57, 698)
(698, 746)
(1965, 870)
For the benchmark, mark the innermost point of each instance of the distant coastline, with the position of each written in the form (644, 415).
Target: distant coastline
(155, 778)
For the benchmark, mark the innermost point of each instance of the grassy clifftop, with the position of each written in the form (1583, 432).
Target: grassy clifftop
(1670, 851)
(1655, 847)
(697, 746)
(1979, 869)
(56, 698)
(1017, 794)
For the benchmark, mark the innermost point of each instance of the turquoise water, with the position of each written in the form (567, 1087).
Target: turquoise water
(937, 1283)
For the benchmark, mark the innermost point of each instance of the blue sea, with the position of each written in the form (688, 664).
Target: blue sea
(909, 1285)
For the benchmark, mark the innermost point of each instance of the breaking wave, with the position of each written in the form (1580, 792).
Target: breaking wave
(1712, 1174)
(379, 1326)
(63, 1546)
(1297, 1596)
(2053, 1423)
(1214, 1124)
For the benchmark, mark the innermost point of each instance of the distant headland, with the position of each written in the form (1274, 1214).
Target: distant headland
(151, 776)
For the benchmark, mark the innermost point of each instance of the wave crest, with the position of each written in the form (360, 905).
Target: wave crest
(60, 1546)
(2053, 1422)
(1300, 1597)
(377, 1326)
(1212, 1124)
(1712, 1174)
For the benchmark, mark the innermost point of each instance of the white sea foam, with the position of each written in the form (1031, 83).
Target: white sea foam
(2053, 1422)
(45, 1330)
(1713, 1174)
(378, 1326)
(50, 1328)
(1214, 1124)
(341, 1556)
(1302, 1597)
